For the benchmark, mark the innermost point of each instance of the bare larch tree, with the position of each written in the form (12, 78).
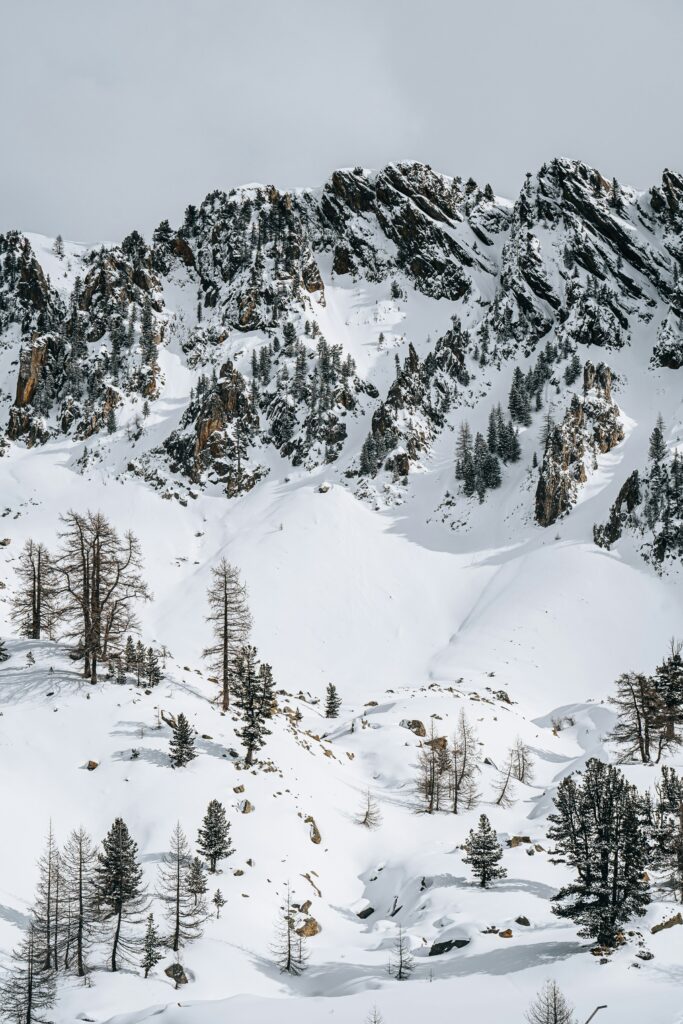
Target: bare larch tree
(99, 582)
(35, 606)
(231, 623)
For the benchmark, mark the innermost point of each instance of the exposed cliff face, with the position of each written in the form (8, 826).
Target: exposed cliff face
(591, 426)
(408, 218)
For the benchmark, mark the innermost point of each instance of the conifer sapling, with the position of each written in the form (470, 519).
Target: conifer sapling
(213, 840)
(484, 853)
(181, 748)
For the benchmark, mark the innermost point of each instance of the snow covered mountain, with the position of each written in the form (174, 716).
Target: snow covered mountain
(418, 418)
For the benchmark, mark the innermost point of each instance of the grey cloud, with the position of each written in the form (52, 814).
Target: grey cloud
(118, 114)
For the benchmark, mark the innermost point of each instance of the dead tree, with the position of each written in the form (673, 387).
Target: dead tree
(369, 815)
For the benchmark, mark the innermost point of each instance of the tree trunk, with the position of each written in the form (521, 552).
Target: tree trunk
(176, 933)
(80, 966)
(226, 652)
(117, 933)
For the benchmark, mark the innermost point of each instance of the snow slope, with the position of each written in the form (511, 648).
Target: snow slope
(425, 606)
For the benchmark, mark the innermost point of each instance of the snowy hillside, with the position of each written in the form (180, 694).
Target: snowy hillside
(418, 419)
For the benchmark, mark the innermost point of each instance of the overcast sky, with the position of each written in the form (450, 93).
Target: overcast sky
(118, 113)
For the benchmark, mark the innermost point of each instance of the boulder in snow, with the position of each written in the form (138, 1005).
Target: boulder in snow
(415, 725)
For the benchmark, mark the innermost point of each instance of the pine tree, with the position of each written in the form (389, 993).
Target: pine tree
(130, 655)
(140, 659)
(484, 853)
(151, 947)
(333, 702)
(550, 1007)
(231, 622)
(184, 909)
(218, 902)
(289, 950)
(658, 449)
(4, 655)
(120, 891)
(374, 1017)
(29, 989)
(617, 199)
(254, 698)
(213, 840)
(181, 747)
(152, 669)
(58, 246)
(668, 685)
(597, 828)
(78, 864)
(463, 449)
(666, 829)
(196, 882)
(402, 963)
(35, 603)
(369, 815)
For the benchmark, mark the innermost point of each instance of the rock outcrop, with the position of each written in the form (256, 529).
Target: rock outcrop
(591, 426)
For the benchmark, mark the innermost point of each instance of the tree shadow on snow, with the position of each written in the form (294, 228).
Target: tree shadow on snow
(156, 757)
(13, 916)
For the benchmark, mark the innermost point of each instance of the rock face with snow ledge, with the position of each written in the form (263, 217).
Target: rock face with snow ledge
(591, 426)
(249, 295)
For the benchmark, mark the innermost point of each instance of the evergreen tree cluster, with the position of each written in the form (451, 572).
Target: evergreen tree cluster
(650, 505)
(79, 383)
(668, 350)
(598, 829)
(477, 461)
(650, 710)
(304, 394)
(88, 898)
(415, 409)
(526, 390)
(593, 313)
(26, 298)
(143, 663)
(254, 699)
